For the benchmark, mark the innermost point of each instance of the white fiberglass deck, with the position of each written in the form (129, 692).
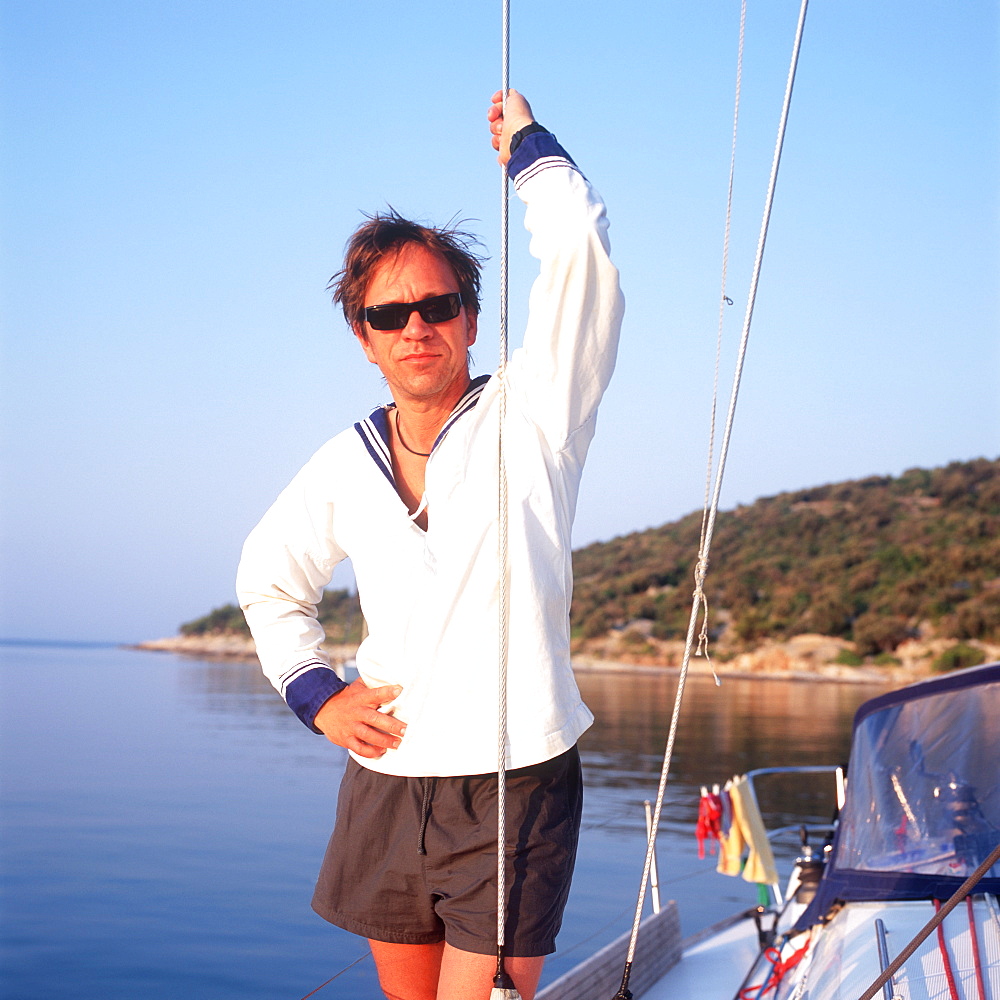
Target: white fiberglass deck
(713, 968)
(845, 964)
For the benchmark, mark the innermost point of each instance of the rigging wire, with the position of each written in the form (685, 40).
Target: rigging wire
(702, 566)
(360, 958)
(502, 986)
(724, 301)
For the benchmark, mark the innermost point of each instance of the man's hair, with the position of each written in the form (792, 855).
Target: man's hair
(382, 236)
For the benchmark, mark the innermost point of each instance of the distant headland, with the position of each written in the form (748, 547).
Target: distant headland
(880, 578)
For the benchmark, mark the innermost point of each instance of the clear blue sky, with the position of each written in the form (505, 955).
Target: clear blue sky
(178, 180)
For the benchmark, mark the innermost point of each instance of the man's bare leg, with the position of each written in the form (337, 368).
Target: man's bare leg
(441, 972)
(467, 976)
(408, 971)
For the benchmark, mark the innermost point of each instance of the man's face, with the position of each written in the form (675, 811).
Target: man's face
(423, 361)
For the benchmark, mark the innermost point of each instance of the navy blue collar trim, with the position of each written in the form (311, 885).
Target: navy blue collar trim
(375, 435)
(463, 406)
(374, 431)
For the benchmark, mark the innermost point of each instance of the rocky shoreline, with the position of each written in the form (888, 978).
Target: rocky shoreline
(804, 657)
(226, 646)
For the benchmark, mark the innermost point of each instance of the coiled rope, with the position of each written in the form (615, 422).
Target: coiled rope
(698, 599)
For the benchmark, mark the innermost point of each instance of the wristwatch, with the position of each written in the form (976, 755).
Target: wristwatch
(522, 133)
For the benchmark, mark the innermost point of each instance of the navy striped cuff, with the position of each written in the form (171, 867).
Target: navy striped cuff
(534, 147)
(310, 691)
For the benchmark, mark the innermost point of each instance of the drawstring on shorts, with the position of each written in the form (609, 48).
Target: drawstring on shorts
(427, 784)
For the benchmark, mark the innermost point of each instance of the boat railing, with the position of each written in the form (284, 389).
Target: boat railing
(760, 772)
(833, 769)
(780, 831)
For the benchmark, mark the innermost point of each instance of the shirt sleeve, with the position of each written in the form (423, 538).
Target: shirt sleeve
(575, 309)
(287, 561)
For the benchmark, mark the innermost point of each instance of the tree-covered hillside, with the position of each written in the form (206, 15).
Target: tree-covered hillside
(339, 613)
(874, 561)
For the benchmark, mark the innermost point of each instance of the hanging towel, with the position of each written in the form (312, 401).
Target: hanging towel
(709, 825)
(760, 866)
(731, 842)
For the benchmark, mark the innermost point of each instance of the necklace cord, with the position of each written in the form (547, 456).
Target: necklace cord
(402, 441)
(713, 511)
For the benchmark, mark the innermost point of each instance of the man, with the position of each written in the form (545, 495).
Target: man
(410, 495)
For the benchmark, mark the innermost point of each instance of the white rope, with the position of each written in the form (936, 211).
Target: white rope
(710, 525)
(502, 518)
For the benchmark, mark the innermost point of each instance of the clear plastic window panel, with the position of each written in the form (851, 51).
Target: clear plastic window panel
(923, 795)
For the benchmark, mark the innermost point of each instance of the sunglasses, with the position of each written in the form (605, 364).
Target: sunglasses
(395, 315)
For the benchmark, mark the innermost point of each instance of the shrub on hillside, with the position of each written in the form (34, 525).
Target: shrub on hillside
(848, 658)
(225, 620)
(957, 657)
(878, 632)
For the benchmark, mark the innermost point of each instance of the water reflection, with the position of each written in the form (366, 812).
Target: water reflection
(171, 852)
(744, 724)
(727, 730)
(228, 688)
(226, 685)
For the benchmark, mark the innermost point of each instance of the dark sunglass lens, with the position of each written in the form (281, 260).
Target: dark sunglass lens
(394, 316)
(389, 317)
(441, 308)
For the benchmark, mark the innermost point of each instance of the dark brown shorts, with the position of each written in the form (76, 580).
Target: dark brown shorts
(413, 860)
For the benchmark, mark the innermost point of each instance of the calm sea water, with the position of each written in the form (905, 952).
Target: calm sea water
(163, 819)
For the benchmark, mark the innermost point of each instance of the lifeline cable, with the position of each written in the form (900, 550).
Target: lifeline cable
(624, 993)
(503, 988)
(360, 958)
